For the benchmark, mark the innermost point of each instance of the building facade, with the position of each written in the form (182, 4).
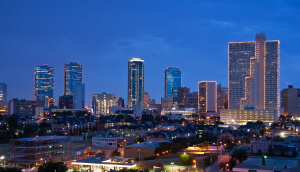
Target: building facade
(65, 102)
(72, 75)
(147, 100)
(78, 96)
(136, 81)
(3, 92)
(172, 82)
(103, 102)
(254, 74)
(44, 82)
(180, 94)
(290, 101)
(207, 97)
(222, 99)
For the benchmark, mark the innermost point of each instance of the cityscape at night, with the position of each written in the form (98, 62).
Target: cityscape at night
(149, 86)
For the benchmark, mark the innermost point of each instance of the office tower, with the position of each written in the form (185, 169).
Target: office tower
(207, 100)
(121, 102)
(135, 81)
(222, 100)
(290, 101)
(254, 74)
(152, 101)
(190, 100)
(166, 103)
(42, 102)
(180, 94)
(65, 102)
(103, 102)
(3, 92)
(44, 82)
(78, 96)
(147, 100)
(21, 107)
(72, 75)
(172, 82)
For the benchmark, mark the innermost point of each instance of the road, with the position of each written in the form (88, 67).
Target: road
(222, 159)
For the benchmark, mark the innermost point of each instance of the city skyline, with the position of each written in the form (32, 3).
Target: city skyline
(101, 51)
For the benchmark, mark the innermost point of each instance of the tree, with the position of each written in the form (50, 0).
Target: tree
(12, 123)
(271, 151)
(222, 165)
(186, 159)
(115, 153)
(240, 154)
(176, 147)
(140, 139)
(29, 131)
(232, 163)
(42, 132)
(206, 144)
(295, 153)
(53, 167)
(75, 169)
(213, 157)
(10, 169)
(259, 123)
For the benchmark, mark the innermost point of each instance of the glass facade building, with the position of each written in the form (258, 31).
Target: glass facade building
(136, 82)
(72, 75)
(3, 92)
(102, 103)
(44, 82)
(172, 81)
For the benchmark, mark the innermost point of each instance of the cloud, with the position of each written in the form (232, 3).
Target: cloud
(222, 23)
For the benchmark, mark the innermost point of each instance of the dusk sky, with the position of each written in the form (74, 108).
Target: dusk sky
(104, 35)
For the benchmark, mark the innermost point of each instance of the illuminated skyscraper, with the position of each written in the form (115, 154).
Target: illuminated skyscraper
(207, 100)
(44, 82)
(72, 75)
(136, 82)
(254, 74)
(172, 82)
(3, 92)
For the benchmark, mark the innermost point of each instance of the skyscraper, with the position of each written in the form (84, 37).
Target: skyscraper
(136, 82)
(78, 96)
(290, 101)
(72, 75)
(3, 92)
(172, 82)
(44, 83)
(254, 74)
(207, 100)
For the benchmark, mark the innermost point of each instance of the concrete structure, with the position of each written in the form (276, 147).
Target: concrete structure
(79, 96)
(175, 111)
(207, 97)
(180, 94)
(34, 151)
(3, 92)
(44, 82)
(136, 83)
(147, 100)
(172, 82)
(72, 75)
(254, 74)
(21, 107)
(222, 99)
(103, 102)
(112, 142)
(190, 100)
(261, 144)
(166, 103)
(3, 108)
(248, 114)
(290, 101)
(121, 102)
(100, 164)
(141, 150)
(42, 103)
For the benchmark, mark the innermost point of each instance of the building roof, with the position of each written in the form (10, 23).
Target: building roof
(41, 138)
(150, 144)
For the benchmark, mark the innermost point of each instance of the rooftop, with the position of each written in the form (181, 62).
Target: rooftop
(151, 144)
(41, 138)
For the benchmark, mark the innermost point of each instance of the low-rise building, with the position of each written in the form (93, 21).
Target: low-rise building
(142, 150)
(110, 141)
(261, 144)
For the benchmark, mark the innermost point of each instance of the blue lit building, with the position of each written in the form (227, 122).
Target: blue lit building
(44, 82)
(136, 82)
(73, 75)
(3, 92)
(172, 81)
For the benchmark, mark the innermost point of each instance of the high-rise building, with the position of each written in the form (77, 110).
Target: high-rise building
(136, 82)
(21, 107)
(3, 92)
(44, 82)
(222, 97)
(190, 100)
(254, 74)
(65, 102)
(180, 94)
(102, 103)
(166, 103)
(78, 96)
(121, 102)
(207, 100)
(290, 101)
(172, 82)
(72, 75)
(147, 100)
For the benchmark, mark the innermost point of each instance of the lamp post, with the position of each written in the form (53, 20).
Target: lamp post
(172, 163)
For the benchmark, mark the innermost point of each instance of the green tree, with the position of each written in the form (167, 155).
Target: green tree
(115, 153)
(259, 123)
(186, 159)
(75, 169)
(42, 132)
(12, 123)
(176, 147)
(240, 154)
(232, 163)
(53, 167)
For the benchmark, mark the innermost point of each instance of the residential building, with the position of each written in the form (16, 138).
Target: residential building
(141, 150)
(65, 102)
(207, 97)
(3, 92)
(254, 74)
(111, 141)
(261, 144)
(222, 99)
(33, 151)
(103, 102)
(136, 81)
(290, 101)
(147, 100)
(72, 75)
(44, 83)
(172, 82)
(78, 96)
(248, 114)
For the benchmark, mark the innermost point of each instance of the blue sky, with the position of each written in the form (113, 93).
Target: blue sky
(104, 35)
